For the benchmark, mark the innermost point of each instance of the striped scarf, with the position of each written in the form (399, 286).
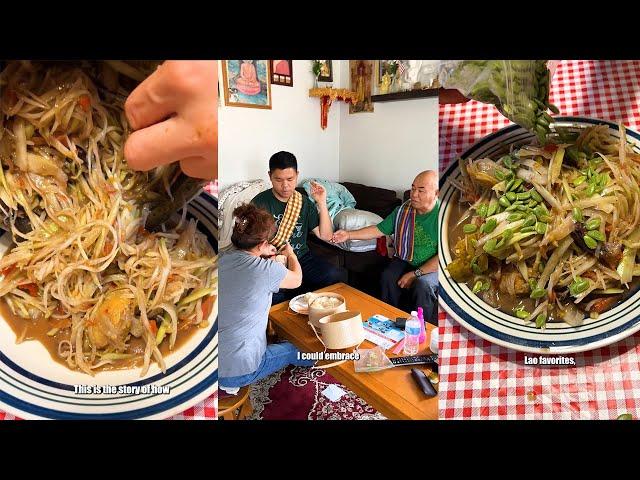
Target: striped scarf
(404, 230)
(289, 220)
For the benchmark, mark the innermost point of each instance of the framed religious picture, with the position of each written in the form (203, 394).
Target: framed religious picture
(384, 66)
(282, 72)
(326, 71)
(361, 73)
(246, 83)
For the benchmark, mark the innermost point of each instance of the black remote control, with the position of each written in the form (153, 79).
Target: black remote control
(423, 382)
(416, 360)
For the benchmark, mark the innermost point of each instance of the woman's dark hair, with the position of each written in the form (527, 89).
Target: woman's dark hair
(282, 160)
(252, 226)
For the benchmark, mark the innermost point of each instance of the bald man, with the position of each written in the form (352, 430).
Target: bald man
(414, 269)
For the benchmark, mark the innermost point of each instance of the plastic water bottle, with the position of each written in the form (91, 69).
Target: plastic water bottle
(412, 335)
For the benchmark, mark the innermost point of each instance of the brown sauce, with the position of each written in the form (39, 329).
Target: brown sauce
(37, 330)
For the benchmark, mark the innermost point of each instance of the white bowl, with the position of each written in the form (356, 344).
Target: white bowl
(499, 327)
(33, 385)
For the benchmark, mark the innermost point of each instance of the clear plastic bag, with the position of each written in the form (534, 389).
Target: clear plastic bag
(518, 88)
(372, 360)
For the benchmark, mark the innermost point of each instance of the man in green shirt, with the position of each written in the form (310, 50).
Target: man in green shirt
(316, 272)
(418, 272)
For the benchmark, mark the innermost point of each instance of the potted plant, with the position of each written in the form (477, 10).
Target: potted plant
(392, 69)
(316, 68)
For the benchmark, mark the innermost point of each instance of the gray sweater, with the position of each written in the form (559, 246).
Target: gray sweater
(246, 284)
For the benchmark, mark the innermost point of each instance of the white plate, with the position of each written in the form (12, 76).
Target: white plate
(499, 327)
(33, 385)
(298, 305)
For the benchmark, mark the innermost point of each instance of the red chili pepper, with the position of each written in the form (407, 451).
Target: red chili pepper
(108, 246)
(154, 327)
(207, 307)
(8, 270)
(31, 288)
(85, 102)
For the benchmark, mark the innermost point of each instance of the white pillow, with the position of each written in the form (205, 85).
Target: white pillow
(354, 219)
(230, 198)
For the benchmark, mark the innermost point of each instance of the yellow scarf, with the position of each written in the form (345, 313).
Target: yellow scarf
(289, 220)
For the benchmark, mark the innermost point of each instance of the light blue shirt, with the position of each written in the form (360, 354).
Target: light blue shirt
(246, 285)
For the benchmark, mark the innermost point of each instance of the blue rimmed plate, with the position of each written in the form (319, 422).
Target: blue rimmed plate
(32, 385)
(506, 330)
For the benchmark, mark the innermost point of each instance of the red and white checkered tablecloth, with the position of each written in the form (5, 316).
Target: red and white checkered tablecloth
(205, 410)
(481, 380)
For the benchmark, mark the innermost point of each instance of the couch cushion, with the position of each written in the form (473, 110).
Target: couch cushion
(374, 199)
(232, 197)
(354, 219)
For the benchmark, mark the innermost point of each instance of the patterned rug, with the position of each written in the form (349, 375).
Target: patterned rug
(294, 393)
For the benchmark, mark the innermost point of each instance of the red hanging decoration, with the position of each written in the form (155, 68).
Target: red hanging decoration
(327, 95)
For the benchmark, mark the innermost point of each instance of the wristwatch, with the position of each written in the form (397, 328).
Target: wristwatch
(418, 273)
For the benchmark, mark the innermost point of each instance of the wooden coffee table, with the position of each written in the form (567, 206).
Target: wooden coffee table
(392, 392)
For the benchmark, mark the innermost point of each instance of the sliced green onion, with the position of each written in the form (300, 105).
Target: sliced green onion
(578, 286)
(490, 246)
(590, 242)
(536, 196)
(516, 184)
(490, 225)
(530, 221)
(593, 224)
(482, 210)
(492, 208)
(577, 214)
(541, 228)
(579, 181)
(596, 235)
(195, 295)
(538, 293)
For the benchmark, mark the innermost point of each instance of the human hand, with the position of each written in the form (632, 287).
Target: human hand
(269, 252)
(287, 250)
(174, 115)
(318, 193)
(340, 236)
(407, 280)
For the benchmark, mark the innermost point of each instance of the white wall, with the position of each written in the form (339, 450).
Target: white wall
(249, 136)
(388, 147)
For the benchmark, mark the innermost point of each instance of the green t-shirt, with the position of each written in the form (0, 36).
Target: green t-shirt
(307, 221)
(425, 238)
